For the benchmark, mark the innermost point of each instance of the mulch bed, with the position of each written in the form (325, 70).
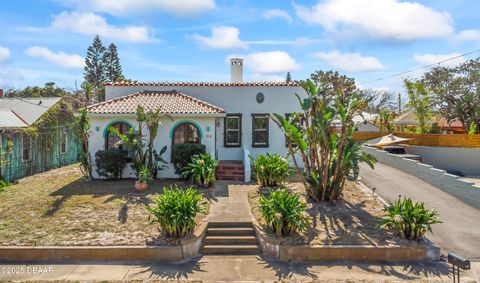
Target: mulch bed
(352, 220)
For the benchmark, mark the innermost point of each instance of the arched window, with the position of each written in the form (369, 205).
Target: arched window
(112, 141)
(185, 133)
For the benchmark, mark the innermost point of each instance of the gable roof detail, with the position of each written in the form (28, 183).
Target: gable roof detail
(23, 112)
(203, 84)
(170, 102)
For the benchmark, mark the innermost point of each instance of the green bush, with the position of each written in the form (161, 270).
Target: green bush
(145, 175)
(410, 219)
(182, 154)
(4, 184)
(175, 210)
(201, 170)
(270, 169)
(110, 163)
(283, 212)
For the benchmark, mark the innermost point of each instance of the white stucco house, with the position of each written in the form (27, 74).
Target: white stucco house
(229, 118)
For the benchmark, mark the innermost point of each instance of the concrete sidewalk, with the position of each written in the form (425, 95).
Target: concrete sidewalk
(237, 268)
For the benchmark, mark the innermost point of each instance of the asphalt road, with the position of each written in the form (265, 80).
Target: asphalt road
(460, 230)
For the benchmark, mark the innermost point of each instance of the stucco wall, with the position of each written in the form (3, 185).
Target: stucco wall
(100, 124)
(439, 178)
(236, 100)
(452, 159)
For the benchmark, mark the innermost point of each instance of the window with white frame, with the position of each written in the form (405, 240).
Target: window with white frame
(233, 130)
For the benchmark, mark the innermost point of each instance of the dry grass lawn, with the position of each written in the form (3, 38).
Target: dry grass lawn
(351, 221)
(60, 207)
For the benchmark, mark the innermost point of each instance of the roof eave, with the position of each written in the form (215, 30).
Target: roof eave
(169, 114)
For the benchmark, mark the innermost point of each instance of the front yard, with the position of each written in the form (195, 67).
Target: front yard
(60, 207)
(352, 220)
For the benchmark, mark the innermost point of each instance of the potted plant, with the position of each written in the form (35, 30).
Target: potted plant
(144, 178)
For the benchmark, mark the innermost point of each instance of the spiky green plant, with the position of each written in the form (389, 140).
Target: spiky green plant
(283, 212)
(175, 210)
(270, 169)
(410, 219)
(145, 175)
(201, 170)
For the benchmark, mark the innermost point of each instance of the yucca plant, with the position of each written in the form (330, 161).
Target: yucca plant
(283, 212)
(201, 170)
(175, 210)
(410, 219)
(270, 169)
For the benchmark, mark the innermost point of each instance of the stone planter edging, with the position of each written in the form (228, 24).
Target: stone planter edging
(423, 252)
(187, 249)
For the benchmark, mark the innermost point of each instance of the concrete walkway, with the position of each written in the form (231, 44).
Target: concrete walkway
(230, 203)
(460, 230)
(235, 268)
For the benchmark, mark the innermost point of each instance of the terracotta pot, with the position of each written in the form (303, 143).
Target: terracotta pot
(141, 187)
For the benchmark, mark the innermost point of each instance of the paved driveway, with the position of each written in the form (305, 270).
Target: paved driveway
(460, 230)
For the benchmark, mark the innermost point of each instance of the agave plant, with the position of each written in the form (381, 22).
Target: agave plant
(270, 169)
(175, 210)
(410, 219)
(283, 212)
(201, 170)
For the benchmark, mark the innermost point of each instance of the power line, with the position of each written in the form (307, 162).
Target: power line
(421, 67)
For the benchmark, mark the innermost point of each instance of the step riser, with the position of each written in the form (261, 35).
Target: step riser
(221, 178)
(230, 250)
(230, 172)
(230, 168)
(230, 233)
(230, 225)
(231, 242)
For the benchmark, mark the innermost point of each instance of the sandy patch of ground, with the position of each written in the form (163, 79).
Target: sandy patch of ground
(61, 207)
(353, 220)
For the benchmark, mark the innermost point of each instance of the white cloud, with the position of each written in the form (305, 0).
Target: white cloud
(350, 62)
(277, 13)
(60, 58)
(223, 37)
(4, 54)
(468, 35)
(383, 19)
(428, 58)
(125, 7)
(91, 24)
(261, 63)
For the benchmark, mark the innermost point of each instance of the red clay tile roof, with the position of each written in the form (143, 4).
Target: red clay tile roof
(201, 84)
(171, 102)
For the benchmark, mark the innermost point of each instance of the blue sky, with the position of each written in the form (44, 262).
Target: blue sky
(191, 40)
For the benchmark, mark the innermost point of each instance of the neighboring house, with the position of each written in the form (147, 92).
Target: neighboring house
(34, 137)
(230, 118)
(364, 122)
(408, 120)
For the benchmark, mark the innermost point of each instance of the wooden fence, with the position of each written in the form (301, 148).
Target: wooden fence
(439, 140)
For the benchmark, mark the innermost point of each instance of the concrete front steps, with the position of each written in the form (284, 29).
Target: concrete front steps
(230, 238)
(231, 170)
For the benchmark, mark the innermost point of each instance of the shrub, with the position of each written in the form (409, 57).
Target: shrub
(175, 210)
(410, 219)
(182, 154)
(201, 170)
(110, 163)
(4, 184)
(283, 212)
(145, 175)
(270, 169)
